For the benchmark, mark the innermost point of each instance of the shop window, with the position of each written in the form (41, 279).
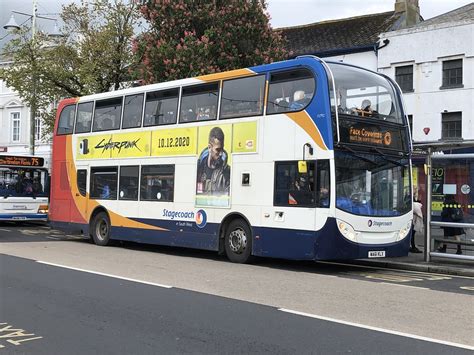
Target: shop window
(157, 183)
(104, 183)
(404, 77)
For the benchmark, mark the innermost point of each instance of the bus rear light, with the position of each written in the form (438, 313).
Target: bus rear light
(43, 209)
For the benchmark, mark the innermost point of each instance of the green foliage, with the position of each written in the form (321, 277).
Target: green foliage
(93, 56)
(190, 37)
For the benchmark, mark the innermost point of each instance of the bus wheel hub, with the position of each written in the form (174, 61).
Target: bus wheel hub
(238, 241)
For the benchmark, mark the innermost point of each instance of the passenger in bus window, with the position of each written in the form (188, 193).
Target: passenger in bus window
(299, 101)
(37, 187)
(213, 172)
(105, 191)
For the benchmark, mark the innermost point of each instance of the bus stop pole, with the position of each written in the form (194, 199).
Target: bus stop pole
(428, 206)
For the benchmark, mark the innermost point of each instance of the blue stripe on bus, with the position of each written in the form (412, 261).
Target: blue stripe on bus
(325, 244)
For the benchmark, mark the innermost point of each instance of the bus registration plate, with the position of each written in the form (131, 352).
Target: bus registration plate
(377, 254)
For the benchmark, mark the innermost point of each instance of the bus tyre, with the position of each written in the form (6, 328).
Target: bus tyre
(238, 242)
(101, 229)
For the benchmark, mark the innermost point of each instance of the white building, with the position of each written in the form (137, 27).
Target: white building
(433, 62)
(15, 126)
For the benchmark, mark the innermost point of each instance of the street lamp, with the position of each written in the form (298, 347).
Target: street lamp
(12, 26)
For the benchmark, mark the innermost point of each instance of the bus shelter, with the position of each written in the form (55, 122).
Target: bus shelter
(443, 179)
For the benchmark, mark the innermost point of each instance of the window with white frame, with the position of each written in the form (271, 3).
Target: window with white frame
(15, 118)
(37, 128)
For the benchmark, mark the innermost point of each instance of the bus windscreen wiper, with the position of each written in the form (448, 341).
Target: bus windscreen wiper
(355, 154)
(385, 157)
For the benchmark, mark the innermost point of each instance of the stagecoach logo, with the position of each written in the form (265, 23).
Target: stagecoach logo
(378, 223)
(111, 145)
(201, 218)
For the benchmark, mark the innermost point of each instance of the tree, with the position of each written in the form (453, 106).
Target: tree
(93, 56)
(193, 37)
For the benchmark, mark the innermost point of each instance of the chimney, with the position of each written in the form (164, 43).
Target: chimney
(410, 10)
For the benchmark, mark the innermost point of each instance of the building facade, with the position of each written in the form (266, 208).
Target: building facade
(433, 62)
(15, 126)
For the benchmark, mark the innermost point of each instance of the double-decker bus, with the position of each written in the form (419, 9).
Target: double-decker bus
(299, 159)
(24, 188)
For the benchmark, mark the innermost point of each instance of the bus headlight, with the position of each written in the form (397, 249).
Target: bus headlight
(402, 233)
(346, 230)
(43, 209)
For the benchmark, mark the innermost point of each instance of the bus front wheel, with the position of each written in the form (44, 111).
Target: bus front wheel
(238, 242)
(101, 229)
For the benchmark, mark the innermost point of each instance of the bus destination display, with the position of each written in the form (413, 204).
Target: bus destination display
(11, 160)
(375, 135)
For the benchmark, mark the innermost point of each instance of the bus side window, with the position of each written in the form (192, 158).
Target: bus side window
(84, 117)
(82, 181)
(132, 111)
(161, 107)
(293, 188)
(103, 183)
(323, 186)
(199, 103)
(157, 183)
(128, 183)
(107, 114)
(290, 91)
(243, 97)
(66, 120)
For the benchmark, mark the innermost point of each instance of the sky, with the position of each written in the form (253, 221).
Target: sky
(283, 13)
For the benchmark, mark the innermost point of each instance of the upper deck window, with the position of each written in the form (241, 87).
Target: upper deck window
(199, 103)
(290, 91)
(132, 112)
(243, 97)
(364, 94)
(84, 117)
(107, 114)
(161, 107)
(66, 120)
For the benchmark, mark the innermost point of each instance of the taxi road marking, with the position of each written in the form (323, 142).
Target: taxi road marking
(12, 335)
(377, 329)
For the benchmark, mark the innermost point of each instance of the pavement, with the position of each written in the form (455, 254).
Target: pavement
(416, 262)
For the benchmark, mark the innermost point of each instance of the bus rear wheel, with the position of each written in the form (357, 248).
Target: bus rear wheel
(100, 229)
(238, 242)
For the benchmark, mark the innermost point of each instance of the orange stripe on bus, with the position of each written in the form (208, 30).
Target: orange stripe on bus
(226, 75)
(303, 120)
